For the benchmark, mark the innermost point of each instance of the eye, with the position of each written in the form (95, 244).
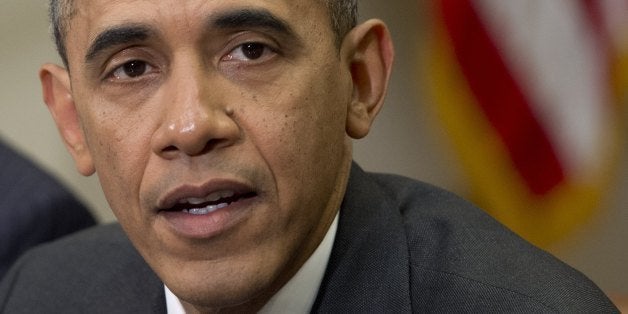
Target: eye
(250, 51)
(131, 69)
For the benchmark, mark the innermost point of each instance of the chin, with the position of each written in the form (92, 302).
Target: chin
(215, 285)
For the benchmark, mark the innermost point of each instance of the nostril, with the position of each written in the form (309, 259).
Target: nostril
(210, 145)
(169, 152)
(191, 150)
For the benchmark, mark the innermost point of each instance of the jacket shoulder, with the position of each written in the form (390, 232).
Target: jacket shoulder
(463, 259)
(96, 270)
(28, 219)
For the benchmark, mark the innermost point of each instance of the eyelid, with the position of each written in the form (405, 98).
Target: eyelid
(113, 77)
(244, 37)
(122, 57)
(263, 57)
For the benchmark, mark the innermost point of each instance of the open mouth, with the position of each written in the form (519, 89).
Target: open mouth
(211, 203)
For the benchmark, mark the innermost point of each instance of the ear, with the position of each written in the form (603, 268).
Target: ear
(370, 53)
(55, 82)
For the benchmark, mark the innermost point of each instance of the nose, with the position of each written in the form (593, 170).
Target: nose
(195, 117)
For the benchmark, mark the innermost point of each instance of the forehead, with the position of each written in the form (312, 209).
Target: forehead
(93, 15)
(175, 20)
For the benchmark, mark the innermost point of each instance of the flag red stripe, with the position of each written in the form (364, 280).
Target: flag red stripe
(501, 98)
(594, 16)
(593, 13)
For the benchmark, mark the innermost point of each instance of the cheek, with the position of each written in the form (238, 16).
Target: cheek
(302, 138)
(315, 112)
(297, 136)
(119, 150)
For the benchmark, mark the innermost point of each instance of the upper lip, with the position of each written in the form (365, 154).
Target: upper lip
(193, 193)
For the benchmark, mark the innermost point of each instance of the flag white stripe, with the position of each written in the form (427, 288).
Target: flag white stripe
(553, 53)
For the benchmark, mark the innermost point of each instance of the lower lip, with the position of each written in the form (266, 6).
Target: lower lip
(209, 225)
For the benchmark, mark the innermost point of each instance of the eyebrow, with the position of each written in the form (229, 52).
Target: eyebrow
(115, 36)
(251, 18)
(243, 18)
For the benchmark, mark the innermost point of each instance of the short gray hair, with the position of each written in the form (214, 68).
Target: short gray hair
(60, 13)
(343, 15)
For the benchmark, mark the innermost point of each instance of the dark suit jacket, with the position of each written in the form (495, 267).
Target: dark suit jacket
(34, 208)
(401, 247)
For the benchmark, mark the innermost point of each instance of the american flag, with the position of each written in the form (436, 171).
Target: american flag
(533, 95)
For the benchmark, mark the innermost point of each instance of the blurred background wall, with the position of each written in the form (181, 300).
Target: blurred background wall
(407, 139)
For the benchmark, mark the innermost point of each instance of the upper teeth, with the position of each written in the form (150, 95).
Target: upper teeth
(210, 198)
(205, 210)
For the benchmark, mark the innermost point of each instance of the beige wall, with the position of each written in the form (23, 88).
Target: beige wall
(405, 139)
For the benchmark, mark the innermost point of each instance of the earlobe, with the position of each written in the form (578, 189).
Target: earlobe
(57, 92)
(369, 52)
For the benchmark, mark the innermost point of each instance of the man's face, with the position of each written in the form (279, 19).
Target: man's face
(217, 129)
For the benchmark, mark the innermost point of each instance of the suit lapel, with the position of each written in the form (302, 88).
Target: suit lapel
(368, 269)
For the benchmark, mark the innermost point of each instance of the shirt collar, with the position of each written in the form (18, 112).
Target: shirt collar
(298, 294)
